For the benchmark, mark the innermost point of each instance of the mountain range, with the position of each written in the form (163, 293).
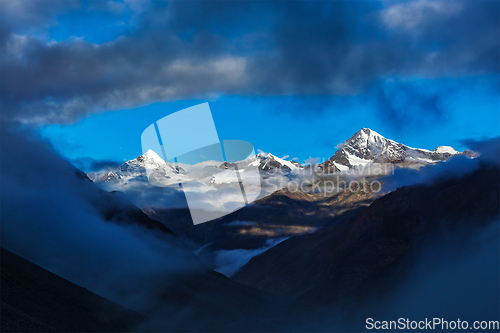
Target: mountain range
(364, 147)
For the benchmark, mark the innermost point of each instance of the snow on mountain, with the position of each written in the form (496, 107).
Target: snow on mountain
(152, 167)
(367, 146)
(363, 148)
(139, 169)
(265, 162)
(152, 157)
(446, 150)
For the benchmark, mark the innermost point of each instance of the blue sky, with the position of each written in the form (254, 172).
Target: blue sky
(289, 125)
(293, 78)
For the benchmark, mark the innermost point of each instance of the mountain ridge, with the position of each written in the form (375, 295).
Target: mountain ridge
(364, 147)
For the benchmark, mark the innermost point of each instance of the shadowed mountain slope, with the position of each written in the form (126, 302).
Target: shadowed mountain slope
(341, 265)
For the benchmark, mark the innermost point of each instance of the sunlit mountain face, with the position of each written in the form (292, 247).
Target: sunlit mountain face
(342, 174)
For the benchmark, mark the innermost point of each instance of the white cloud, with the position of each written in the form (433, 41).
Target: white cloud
(312, 160)
(229, 261)
(415, 13)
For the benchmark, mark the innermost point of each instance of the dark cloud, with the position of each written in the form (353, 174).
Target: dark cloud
(181, 50)
(28, 16)
(51, 217)
(89, 164)
(403, 104)
(488, 148)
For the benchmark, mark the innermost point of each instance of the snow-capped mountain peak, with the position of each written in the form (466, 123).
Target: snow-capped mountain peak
(267, 162)
(367, 146)
(153, 156)
(370, 135)
(262, 154)
(141, 168)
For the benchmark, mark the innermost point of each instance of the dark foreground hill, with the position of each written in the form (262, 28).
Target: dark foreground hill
(36, 300)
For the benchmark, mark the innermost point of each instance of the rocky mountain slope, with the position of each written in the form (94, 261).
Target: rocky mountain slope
(282, 214)
(342, 265)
